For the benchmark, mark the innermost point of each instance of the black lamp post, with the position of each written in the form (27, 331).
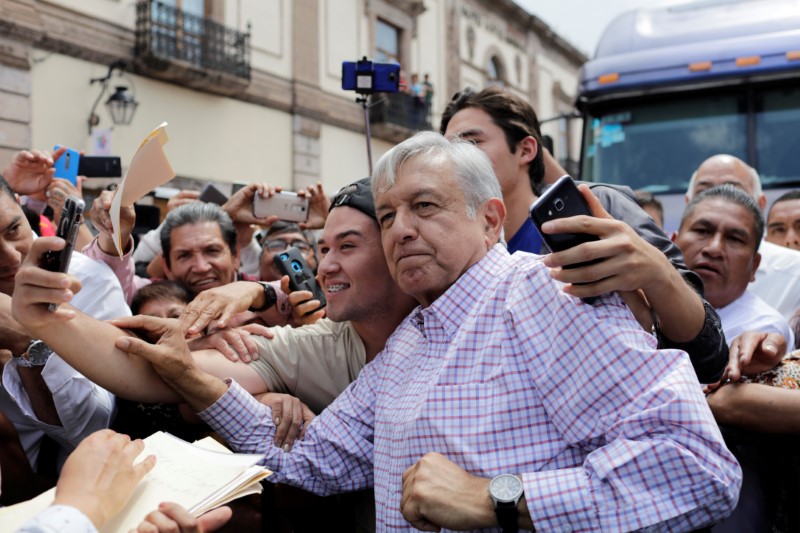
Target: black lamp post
(121, 105)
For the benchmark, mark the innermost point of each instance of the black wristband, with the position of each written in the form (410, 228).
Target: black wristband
(270, 298)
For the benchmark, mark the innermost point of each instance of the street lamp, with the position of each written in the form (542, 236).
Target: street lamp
(121, 105)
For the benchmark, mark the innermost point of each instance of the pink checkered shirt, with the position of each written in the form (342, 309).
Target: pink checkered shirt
(504, 373)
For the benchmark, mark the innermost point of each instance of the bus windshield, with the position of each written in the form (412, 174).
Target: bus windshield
(656, 144)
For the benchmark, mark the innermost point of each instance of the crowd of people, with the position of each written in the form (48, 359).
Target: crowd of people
(460, 376)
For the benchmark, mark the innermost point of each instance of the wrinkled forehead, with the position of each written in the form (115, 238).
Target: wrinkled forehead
(723, 214)
(195, 235)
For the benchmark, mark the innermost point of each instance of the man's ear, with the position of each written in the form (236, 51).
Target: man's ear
(493, 215)
(528, 149)
(756, 263)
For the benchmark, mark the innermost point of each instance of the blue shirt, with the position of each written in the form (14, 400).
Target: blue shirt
(526, 238)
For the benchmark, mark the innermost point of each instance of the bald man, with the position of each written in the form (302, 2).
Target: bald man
(722, 169)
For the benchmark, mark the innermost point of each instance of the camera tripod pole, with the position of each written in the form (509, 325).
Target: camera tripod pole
(363, 99)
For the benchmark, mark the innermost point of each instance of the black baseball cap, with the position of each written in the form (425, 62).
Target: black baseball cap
(357, 195)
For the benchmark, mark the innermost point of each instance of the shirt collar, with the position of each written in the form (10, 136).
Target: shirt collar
(467, 292)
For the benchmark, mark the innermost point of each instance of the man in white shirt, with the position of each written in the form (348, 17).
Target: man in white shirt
(42, 394)
(719, 234)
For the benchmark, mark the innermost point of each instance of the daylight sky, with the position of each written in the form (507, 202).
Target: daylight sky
(581, 22)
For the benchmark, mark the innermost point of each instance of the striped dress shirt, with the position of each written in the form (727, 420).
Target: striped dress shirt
(505, 373)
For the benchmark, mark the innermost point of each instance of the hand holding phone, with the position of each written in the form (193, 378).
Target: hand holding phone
(285, 205)
(562, 200)
(66, 166)
(68, 226)
(291, 263)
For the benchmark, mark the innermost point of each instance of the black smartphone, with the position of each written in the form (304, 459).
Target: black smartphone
(99, 166)
(562, 200)
(68, 226)
(291, 263)
(212, 195)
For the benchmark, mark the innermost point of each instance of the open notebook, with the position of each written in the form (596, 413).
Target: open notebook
(199, 476)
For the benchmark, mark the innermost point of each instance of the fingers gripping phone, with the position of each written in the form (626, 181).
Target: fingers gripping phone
(285, 205)
(291, 263)
(562, 200)
(68, 226)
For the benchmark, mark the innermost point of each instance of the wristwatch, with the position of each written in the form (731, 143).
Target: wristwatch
(506, 491)
(270, 298)
(37, 354)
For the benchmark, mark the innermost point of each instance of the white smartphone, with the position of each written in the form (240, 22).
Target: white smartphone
(285, 205)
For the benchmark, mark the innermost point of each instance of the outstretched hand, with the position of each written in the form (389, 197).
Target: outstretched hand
(31, 171)
(751, 353)
(220, 305)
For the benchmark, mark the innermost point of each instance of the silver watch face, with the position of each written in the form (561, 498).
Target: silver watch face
(38, 353)
(506, 488)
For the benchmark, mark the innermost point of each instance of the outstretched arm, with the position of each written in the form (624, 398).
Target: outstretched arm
(88, 344)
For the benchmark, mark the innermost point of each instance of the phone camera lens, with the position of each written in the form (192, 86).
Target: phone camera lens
(296, 266)
(558, 203)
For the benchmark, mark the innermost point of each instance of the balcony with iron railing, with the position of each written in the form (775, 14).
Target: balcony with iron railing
(189, 48)
(396, 116)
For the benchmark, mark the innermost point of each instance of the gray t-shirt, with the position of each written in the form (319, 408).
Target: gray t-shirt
(315, 363)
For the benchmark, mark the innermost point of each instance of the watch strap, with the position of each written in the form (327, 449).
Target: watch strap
(270, 298)
(507, 515)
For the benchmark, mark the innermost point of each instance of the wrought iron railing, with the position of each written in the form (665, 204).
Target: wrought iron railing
(164, 32)
(400, 109)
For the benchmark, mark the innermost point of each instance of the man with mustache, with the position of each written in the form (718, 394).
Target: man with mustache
(719, 234)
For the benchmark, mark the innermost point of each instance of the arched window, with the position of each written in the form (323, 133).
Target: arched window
(495, 71)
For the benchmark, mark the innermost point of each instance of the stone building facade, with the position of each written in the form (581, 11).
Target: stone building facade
(251, 89)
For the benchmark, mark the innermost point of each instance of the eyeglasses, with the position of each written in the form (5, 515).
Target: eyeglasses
(279, 245)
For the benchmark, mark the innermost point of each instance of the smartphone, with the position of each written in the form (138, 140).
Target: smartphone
(100, 166)
(68, 226)
(67, 165)
(562, 200)
(213, 195)
(291, 263)
(286, 205)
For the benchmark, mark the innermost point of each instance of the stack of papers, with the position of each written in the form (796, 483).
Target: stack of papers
(200, 477)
